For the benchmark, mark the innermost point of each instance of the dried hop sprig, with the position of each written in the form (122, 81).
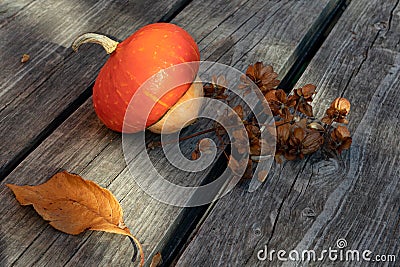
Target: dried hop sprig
(296, 131)
(263, 76)
(340, 139)
(337, 111)
(302, 97)
(279, 103)
(217, 88)
(296, 139)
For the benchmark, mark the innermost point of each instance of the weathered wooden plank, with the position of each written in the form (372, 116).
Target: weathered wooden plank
(55, 76)
(310, 204)
(85, 148)
(9, 9)
(265, 33)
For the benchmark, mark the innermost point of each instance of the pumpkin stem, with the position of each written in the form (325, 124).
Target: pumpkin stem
(108, 44)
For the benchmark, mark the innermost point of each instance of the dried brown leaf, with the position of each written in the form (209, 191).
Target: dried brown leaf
(312, 142)
(340, 139)
(157, 259)
(239, 111)
(338, 111)
(262, 175)
(271, 96)
(217, 88)
(299, 134)
(73, 205)
(308, 91)
(255, 149)
(327, 120)
(306, 109)
(283, 132)
(278, 158)
(290, 156)
(342, 132)
(235, 165)
(253, 131)
(345, 144)
(316, 126)
(195, 154)
(25, 58)
(341, 103)
(263, 76)
(248, 173)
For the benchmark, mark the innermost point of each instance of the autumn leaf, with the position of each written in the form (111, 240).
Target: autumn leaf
(195, 154)
(340, 138)
(217, 88)
(248, 173)
(316, 126)
(73, 205)
(237, 165)
(25, 58)
(337, 111)
(263, 76)
(239, 111)
(156, 261)
(262, 175)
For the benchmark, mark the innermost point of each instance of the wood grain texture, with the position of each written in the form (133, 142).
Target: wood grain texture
(34, 94)
(82, 145)
(310, 204)
(263, 30)
(9, 10)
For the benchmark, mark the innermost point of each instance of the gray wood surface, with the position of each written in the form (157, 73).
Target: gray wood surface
(82, 145)
(311, 204)
(33, 95)
(9, 9)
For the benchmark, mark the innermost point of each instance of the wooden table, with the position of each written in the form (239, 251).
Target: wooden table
(349, 49)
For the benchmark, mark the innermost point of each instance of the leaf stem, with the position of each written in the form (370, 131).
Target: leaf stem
(137, 246)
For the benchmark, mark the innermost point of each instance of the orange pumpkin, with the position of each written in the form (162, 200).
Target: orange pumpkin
(148, 51)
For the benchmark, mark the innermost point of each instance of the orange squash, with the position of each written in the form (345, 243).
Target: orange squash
(149, 50)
